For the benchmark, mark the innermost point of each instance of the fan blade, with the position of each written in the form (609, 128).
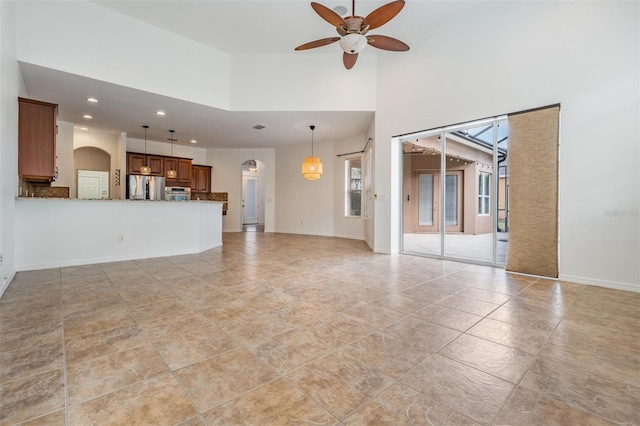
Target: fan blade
(387, 43)
(349, 59)
(318, 43)
(328, 15)
(383, 14)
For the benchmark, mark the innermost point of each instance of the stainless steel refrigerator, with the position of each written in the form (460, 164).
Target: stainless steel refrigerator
(145, 187)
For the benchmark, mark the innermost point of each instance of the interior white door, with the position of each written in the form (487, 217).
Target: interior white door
(250, 200)
(93, 185)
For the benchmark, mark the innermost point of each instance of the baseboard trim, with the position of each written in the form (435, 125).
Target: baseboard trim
(349, 237)
(600, 283)
(5, 285)
(369, 243)
(94, 261)
(381, 251)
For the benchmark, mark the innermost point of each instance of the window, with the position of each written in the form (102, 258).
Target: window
(353, 186)
(483, 193)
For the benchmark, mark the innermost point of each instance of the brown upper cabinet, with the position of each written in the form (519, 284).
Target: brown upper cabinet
(184, 171)
(36, 140)
(156, 162)
(170, 163)
(201, 178)
(136, 160)
(182, 166)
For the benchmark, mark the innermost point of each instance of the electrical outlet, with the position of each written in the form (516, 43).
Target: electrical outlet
(121, 238)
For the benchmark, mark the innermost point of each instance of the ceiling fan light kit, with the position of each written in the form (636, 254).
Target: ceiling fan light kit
(353, 43)
(353, 29)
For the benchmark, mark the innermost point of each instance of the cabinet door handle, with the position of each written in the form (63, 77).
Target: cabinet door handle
(408, 197)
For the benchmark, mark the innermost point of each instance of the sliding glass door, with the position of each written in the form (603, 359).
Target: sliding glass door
(463, 169)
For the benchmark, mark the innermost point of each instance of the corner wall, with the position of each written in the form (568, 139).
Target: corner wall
(11, 86)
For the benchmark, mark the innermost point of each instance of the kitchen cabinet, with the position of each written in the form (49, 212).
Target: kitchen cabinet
(182, 166)
(170, 163)
(156, 163)
(36, 140)
(184, 171)
(200, 178)
(136, 160)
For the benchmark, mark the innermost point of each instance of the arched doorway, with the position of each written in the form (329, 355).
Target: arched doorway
(92, 168)
(253, 195)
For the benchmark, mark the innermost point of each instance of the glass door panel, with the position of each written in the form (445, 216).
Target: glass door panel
(469, 224)
(425, 200)
(421, 187)
(451, 200)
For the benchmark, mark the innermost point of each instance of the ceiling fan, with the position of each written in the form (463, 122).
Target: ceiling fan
(353, 31)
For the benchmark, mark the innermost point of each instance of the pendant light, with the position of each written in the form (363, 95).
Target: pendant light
(144, 169)
(172, 173)
(312, 167)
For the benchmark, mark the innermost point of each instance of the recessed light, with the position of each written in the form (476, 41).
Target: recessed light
(259, 127)
(87, 116)
(194, 141)
(94, 100)
(160, 113)
(83, 128)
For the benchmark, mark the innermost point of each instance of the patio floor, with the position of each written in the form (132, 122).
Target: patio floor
(476, 248)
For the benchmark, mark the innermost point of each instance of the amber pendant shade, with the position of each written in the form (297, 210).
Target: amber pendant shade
(312, 168)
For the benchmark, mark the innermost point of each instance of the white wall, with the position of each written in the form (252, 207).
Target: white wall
(227, 177)
(289, 82)
(64, 157)
(80, 232)
(369, 220)
(516, 56)
(198, 155)
(303, 206)
(125, 51)
(132, 53)
(11, 86)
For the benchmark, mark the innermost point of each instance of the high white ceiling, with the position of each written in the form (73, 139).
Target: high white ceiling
(238, 26)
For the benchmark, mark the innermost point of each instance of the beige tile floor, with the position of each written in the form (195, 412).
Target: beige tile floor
(289, 329)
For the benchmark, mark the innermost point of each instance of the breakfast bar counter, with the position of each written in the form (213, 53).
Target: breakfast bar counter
(57, 232)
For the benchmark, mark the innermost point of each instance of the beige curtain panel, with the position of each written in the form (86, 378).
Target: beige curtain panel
(533, 192)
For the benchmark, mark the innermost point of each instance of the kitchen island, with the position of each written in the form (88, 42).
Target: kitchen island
(57, 232)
